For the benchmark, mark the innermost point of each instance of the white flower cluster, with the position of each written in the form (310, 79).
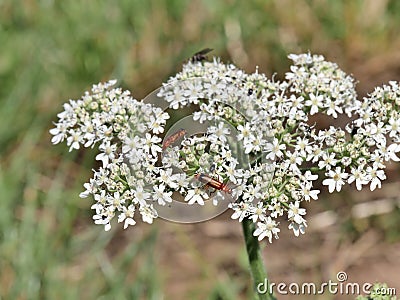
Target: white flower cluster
(125, 131)
(261, 148)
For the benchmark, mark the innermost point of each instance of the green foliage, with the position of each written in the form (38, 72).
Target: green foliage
(380, 291)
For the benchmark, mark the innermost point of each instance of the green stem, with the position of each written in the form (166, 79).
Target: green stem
(257, 268)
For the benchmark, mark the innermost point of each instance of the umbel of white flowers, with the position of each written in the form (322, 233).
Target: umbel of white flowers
(271, 119)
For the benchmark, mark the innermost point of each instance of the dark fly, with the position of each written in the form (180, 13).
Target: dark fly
(201, 55)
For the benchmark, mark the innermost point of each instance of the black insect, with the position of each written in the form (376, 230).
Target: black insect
(201, 55)
(354, 129)
(250, 92)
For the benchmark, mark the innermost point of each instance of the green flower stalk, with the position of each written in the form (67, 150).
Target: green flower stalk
(257, 267)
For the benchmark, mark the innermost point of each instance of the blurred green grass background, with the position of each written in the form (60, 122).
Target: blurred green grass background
(54, 50)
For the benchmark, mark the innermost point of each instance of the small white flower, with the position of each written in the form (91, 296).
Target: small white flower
(160, 195)
(315, 102)
(116, 201)
(276, 208)
(328, 161)
(294, 160)
(314, 153)
(196, 195)
(75, 138)
(275, 149)
(258, 212)
(268, 229)
(241, 210)
(333, 108)
(127, 216)
(301, 145)
(359, 176)
(205, 113)
(181, 180)
(151, 143)
(394, 126)
(104, 218)
(253, 143)
(131, 143)
(169, 179)
(295, 213)
(218, 133)
(310, 176)
(244, 131)
(251, 193)
(336, 180)
(101, 199)
(107, 227)
(375, 176)
(390, 152)
(60, 132)
(157, 122)
(91, 188)
(298, 228)
(194, 91)
(148, 213)
(232, 173)
(308, 193)
(141, 195)
(214, 86)
(108, 153)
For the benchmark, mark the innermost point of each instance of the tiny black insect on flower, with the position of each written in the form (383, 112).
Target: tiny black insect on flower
(201, 55)
(250, 92)
(354, 129)
(213, 167)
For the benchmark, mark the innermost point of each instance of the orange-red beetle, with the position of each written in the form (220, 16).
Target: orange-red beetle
(173, 138)
(211, 182)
